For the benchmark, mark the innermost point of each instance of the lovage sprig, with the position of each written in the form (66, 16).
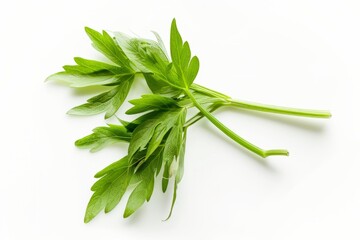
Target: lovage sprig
(157, 137)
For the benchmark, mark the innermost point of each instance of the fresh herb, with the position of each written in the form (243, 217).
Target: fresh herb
(157, 137)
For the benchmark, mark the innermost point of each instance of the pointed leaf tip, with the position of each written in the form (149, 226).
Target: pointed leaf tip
(87, 29)
(127, 214)
(88, 218)
(48, 78)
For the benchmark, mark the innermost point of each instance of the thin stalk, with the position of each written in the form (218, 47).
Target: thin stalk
(209, 91)
(277, 109)
(199, 116)
(262, 107)
(234, 136)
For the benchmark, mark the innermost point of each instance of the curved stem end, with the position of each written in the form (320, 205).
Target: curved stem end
(281, 152)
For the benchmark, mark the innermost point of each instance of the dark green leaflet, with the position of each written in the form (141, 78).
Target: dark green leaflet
(103, 136)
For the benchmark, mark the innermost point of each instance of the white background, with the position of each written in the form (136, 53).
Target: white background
(294, 53)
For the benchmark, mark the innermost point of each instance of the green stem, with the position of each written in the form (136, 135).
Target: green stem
(209, 91)
(232, 135)
(279, 110)
(199, 116)
(262, 107)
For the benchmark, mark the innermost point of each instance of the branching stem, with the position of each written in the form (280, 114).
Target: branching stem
(232, 135)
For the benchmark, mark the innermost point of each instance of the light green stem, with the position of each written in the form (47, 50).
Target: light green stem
(279, 110)
(262, 107)
(199, 116)
(208, 91)
(232, 135)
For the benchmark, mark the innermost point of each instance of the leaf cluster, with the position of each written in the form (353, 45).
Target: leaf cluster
(156, 138)
(156, 141)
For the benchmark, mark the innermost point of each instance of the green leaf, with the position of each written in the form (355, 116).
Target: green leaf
(117, 190)
(86, 80)
(160, 131)
(192, 70)
(115, 166)
(180, 170)
(146, 177)
(142, 135)
(107, 46)
(173, 200)
(176, 43)
(174, 153)
(109, 190)
(130, 50)
(151, 59)
(96, 204)
(136, 199)
(185, 56)
(151, 102)
(147, 55)
(179, 173)
(174, 140)
(140, 194)
(158, 86)
(130, 126)
(108, 102)
(103, 136)
(166, 176)
(153, 130)
(186, 67)
(161, 43)
(85, 66)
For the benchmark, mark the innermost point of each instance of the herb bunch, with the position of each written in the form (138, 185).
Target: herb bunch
(157, 137)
